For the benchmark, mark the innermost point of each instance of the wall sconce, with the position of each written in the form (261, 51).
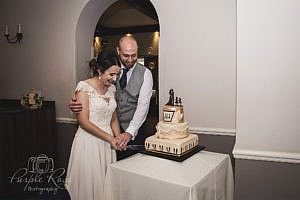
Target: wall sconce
(151, 65)
(15, 39)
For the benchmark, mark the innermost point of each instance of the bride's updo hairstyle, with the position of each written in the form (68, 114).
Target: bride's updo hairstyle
(104, 61)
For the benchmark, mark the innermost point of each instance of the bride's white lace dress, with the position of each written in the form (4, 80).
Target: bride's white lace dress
(90, 155)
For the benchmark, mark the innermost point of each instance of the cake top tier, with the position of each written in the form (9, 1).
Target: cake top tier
(173, 114)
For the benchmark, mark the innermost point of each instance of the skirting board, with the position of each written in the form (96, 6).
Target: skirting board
(266, 155)
(212, 131)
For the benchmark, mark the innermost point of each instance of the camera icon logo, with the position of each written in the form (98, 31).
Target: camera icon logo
(40, 164)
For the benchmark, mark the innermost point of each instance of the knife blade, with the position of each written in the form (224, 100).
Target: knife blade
(136, 147)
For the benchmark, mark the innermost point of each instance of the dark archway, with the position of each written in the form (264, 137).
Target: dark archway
(139, 18)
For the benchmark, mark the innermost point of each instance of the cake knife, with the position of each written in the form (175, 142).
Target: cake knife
(136, 147)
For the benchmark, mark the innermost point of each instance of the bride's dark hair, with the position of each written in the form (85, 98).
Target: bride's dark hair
(105, 60)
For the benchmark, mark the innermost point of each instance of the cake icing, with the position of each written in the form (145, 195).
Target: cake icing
(176, 146)
(172, 130)
(172, 134)
(173, 125)
(173, 114)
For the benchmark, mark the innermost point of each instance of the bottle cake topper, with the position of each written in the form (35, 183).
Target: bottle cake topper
(171, 98)
(173, 101)
(179, 102)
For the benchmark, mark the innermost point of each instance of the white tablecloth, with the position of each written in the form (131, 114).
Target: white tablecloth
(204, 176)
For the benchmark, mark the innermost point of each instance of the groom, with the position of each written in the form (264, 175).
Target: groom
(134, 91)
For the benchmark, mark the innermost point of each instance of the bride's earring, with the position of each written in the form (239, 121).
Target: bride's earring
(99, 74)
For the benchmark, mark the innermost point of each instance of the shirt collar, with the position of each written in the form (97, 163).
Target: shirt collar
(122, 67)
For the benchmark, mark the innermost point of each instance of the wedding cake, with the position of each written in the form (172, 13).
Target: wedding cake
(172, 134)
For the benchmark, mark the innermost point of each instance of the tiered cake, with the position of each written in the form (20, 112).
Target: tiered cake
(172, 134)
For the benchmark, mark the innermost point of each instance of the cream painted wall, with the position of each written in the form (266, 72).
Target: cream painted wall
(45, 59)
(198, 60)
(268, 103)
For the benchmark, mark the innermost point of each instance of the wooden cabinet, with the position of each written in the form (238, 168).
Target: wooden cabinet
(24, 134)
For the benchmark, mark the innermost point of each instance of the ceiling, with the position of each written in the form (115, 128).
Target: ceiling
(128, 16)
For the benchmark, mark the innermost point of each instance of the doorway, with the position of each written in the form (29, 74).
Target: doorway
(139, 18)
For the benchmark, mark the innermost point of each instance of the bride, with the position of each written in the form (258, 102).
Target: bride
(94, 144)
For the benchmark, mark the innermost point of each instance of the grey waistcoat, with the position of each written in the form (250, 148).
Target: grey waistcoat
(128, 97)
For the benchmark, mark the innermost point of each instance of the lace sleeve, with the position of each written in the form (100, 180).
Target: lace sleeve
(82, 86)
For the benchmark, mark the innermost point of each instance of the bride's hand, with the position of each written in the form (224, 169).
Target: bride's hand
(113, 143)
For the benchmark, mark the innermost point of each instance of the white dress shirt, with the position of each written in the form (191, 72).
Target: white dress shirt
(143, 102)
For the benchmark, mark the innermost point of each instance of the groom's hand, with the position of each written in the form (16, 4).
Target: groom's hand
(75, 106)
(123, 139)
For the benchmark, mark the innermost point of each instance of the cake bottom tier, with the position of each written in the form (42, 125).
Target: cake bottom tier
(176, 146)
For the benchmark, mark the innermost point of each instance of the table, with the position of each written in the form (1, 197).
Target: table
(204, 176)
